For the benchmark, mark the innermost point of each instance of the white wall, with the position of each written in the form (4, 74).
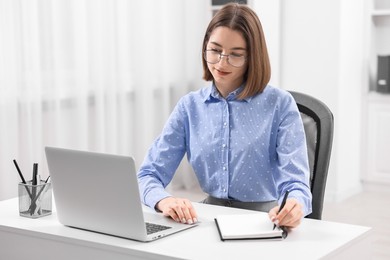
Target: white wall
(320, 52)
(352, 90)
(269, 13)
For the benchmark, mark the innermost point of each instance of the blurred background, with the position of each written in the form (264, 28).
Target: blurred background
(104, 75)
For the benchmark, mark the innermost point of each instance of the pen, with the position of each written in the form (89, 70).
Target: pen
(23, 180)
(35, 172)
(47, 179)
(282, 205)
(34, 191)
(20, 173)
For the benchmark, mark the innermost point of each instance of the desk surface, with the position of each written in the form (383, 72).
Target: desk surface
(313, 239)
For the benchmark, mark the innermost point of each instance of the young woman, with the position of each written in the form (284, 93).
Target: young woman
(244, 139)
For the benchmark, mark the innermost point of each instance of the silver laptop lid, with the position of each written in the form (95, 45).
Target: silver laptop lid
(97, 192)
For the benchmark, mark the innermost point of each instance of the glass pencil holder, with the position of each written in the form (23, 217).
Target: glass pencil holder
(35, 201)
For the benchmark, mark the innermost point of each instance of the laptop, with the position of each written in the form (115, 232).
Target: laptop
(99, 192)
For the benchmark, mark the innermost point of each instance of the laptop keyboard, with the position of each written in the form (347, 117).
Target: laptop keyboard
(153, 228)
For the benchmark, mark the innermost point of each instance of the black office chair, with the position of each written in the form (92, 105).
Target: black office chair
(318, 123)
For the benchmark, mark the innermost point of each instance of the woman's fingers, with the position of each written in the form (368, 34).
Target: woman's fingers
(181, 210)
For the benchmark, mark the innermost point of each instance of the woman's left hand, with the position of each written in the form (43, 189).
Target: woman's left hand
(290, 216)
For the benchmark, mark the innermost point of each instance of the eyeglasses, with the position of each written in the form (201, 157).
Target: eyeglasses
(213, 57)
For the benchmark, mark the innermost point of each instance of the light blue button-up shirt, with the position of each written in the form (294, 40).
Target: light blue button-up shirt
(251, 150)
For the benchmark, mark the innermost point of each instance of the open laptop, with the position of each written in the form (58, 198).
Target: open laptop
(99, 192)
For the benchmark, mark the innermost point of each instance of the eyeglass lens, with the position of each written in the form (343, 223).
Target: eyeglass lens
(214, 57)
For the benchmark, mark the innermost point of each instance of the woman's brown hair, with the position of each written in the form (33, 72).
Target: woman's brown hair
(242, 19)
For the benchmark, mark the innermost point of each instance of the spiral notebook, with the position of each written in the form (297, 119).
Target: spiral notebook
(248, 226)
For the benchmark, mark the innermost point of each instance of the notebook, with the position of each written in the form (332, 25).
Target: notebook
(99, 192)
(248, 226)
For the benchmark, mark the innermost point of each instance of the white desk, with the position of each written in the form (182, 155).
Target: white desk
(46, 238)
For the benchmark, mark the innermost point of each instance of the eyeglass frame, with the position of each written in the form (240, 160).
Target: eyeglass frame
(222, 55)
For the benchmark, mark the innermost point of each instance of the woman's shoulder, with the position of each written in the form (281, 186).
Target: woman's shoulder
(196, 95)
(276, 94)
(272, 90)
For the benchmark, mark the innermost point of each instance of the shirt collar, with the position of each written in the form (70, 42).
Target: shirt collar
(213, 94)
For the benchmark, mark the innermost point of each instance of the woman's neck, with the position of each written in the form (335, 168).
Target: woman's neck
(225, 90)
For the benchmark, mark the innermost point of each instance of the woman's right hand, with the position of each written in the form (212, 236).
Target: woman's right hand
(179, 209)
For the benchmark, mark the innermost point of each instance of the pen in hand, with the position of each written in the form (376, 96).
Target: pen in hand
(282, 205)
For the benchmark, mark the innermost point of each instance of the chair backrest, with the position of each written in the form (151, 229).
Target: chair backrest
(318, 123)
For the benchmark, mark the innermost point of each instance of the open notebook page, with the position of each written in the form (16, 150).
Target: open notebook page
(247, 226)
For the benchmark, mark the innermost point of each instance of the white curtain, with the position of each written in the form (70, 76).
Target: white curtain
(98, 75)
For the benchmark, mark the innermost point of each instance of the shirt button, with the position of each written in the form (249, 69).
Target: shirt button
(224, 168)
(224, 145)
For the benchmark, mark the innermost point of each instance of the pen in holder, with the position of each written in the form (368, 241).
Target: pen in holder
(35, 201)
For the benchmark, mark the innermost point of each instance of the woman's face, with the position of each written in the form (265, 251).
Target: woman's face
(226, 41)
